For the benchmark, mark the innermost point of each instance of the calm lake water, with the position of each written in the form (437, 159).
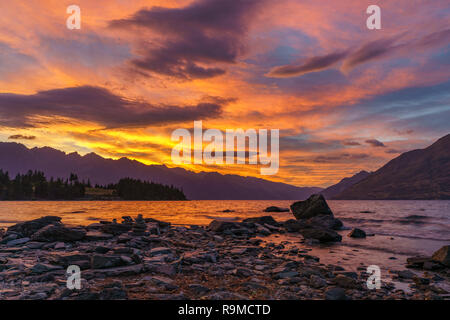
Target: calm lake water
(400, 228)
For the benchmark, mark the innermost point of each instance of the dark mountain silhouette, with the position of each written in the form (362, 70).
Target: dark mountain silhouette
(16, 158)
(417, 174)
(339, 187)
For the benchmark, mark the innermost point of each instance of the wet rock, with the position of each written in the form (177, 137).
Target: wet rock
(40, 268)
(97, 236)
(406, 274)
(16, 242)
(160, 281)
(315, 205)
(442, 256)
(317, 282)
(106, 261)
(417, 262)
(292, 225)
(198, 289)
(286, 275)
(335, 293)
(221, 226)
(345, 282)
(262, 220)
(114, 272)
(160, 251)
(276, 209)
(139, 227)
(357, 233)
(199, 256)
(114, 293)
(58, 233)
(66, 259)
(28, 228)
(115, 228)
(242, 272)
(101, 249)
(323, 235)
(325, 222)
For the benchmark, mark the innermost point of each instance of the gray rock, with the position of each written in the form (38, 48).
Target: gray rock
(160, 251)
(286, 275)
(262, 220)
(313, 206)
(242, 272)
(335, 293)
(221, 226)
(198, 289)
(357, 233)
(406, 274)
(317, 282)
(323, 235)
(97, 235)
(66, 259)
(28, 228)
(106, 261)
(16, 242)
(115, 228)
(58, 233)
(325, 222)
(40, 268)
(345, 282)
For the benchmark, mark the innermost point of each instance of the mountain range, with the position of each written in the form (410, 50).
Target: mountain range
(417, 174)
(17, 158)
(334, 190)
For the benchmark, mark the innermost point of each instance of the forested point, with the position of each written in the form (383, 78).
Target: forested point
(34, 186)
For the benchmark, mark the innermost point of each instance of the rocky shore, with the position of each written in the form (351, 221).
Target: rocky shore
(143, 258)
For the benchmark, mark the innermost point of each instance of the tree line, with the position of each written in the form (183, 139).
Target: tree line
(33, 185)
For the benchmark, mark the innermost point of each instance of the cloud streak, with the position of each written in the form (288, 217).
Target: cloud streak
(351, 58)
(100, 106)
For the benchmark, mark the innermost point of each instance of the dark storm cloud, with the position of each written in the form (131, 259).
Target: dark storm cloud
(99, 105)
(375, 143)
(21, 137)
(192, 38)
(310, 65)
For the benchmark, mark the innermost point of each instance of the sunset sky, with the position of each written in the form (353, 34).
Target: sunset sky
(345, 98)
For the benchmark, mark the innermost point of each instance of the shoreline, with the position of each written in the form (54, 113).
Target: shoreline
(150, 259)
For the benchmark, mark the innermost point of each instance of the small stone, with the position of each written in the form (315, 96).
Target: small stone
(335, 293)
(442, 256)
(17, 242)
(357, 233)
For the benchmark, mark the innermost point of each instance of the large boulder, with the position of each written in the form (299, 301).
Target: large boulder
(325, 222)
(28, 228)
(52, 233)
(323, 235)
(442, 256)
(293, 225)
(315, 205)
